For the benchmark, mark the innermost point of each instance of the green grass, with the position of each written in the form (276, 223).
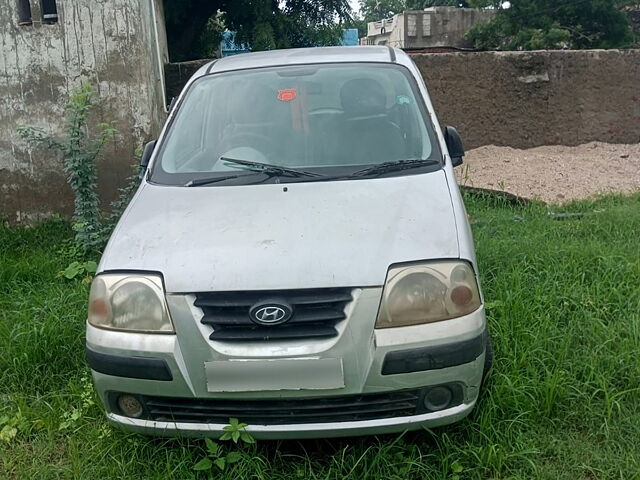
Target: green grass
(563, 400)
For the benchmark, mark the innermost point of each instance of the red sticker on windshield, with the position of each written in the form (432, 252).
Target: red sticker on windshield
(287, 95)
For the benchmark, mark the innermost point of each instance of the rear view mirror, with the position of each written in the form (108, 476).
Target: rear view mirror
(454, 145)
(146, 156)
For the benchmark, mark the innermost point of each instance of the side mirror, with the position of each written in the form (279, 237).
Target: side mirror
(146, 156)
(454, 145)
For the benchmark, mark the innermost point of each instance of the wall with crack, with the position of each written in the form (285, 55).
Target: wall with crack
(119, 46)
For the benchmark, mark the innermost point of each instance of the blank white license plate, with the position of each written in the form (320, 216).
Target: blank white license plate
(268, 375)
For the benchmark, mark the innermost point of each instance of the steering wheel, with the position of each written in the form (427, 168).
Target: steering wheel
(264, 145)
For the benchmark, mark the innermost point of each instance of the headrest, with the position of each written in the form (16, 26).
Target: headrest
(363, 96)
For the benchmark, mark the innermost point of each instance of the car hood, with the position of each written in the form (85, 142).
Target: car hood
(302, 235)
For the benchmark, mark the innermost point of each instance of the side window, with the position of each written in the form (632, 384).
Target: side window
(24, 13)
(49, 11)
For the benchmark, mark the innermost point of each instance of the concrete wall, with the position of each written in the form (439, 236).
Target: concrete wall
(527, 99)
(114, 43)
(429, 28)
(177, 75)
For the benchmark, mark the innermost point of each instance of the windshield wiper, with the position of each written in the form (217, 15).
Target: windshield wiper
(394, 166)
(206, 181)
(271, 169)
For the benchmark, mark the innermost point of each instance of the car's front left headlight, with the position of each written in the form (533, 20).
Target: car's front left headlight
(428, 292)
(129, 302)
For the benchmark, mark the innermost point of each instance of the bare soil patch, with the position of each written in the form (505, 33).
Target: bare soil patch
(554, 174)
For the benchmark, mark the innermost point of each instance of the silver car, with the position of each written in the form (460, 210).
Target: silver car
(297, 257)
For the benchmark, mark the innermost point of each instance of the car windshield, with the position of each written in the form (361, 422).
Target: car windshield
(312, 122)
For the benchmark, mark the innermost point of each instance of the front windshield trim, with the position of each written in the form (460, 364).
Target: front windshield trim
(337, 171)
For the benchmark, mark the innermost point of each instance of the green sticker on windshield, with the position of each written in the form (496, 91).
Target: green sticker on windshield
(403, 100)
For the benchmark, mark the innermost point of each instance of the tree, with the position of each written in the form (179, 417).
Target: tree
(549, 24)
(264, 24)
(375, 10)
(79, 149)
(422, 4)
(185, 22)
(267, 24)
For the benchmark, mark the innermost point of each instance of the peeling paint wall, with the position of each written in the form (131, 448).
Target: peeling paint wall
(118, 45)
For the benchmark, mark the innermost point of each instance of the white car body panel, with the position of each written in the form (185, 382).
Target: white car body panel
(316, 234)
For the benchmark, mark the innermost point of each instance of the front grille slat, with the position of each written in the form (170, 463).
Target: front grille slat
(242, 318)
(315, 314)
(177, 413)
(272, 333)
(274, 412)
(246, 299)
(264, 406)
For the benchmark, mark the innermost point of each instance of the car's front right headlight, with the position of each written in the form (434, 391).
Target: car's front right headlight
(428, 292)
(129, 302)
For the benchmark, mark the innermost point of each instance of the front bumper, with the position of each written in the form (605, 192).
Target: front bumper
(361, 349)
(298, 431)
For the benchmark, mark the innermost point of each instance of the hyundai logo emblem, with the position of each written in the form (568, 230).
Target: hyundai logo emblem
(270, 313)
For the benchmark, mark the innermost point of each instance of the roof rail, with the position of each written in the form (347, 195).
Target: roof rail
(211, 66)
(392, 54)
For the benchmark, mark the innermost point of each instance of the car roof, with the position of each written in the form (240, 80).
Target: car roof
(300, 56)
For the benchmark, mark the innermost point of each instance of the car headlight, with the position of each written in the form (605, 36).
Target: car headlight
(131, 302)
(428, 292)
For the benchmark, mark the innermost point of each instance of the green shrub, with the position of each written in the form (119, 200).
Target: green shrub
(80, 148)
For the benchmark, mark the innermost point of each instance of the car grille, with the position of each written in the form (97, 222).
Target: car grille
(278, 412)
(315, 314)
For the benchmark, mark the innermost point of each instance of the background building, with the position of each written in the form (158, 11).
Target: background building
(432, 27)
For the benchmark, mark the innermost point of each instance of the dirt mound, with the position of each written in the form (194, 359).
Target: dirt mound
(554, 174)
